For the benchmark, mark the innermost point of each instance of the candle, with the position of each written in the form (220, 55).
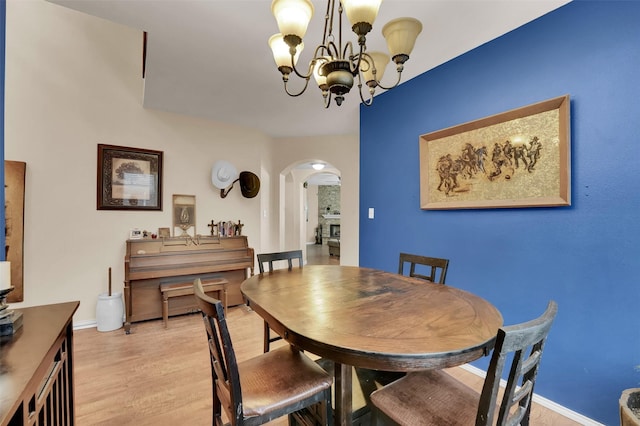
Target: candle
(5, 275)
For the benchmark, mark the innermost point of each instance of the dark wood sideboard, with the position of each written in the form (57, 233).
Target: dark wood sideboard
(36, 368)
(151, 262)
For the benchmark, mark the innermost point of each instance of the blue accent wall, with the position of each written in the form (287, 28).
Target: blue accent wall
(585, 256)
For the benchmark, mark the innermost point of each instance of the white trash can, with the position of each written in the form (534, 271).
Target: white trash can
(109, 311)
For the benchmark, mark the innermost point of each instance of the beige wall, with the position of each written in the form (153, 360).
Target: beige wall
(312, 213)
(74, 81)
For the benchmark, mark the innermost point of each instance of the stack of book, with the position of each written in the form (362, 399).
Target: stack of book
(10, 320)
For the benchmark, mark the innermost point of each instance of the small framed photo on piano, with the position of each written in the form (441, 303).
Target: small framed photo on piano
(164, 232)
(135, 234)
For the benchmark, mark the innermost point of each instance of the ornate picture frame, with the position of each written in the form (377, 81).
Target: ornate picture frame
(519, 158)
(129, 178)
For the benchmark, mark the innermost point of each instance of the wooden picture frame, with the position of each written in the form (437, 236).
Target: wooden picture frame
(184, 214)
(129, 178)
(519, 158)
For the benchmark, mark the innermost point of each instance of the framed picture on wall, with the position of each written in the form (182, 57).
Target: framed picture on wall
(184, 214)
(519, 158)
(129, 178)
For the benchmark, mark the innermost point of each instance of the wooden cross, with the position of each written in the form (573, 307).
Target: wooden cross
(212, 225)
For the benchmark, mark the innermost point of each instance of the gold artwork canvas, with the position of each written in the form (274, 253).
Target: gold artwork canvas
(520, 158)
(14, 177)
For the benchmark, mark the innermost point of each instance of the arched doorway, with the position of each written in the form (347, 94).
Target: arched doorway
(305, 194)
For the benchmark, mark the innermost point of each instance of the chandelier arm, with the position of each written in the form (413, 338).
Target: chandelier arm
(391, 87)
(332, 50)
(317, 54)
(349, 47)
(309, 72)
(364, 101)
(306, 84)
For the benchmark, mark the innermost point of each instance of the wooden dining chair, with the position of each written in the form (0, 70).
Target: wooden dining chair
(433, 397)
(269, 258)
(434, 265)
(262, 388)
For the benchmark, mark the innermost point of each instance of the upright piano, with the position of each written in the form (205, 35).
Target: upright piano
(151, 262)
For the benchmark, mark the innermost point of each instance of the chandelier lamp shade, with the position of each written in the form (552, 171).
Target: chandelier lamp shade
(336, 65)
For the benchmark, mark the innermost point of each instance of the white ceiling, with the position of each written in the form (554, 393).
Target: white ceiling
(210, 58)
(324, 179)
(329, 175)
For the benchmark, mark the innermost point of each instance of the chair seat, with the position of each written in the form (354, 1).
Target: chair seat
(436, 398)
(430, 397)
(278, 379)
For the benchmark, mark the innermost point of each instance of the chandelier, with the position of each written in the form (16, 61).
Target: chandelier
(335, 65)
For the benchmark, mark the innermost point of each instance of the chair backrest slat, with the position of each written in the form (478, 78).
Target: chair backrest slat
(434, 264)
(515, 341)
(224, 366)
(269, 258)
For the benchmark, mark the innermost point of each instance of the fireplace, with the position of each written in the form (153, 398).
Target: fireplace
(334, 231)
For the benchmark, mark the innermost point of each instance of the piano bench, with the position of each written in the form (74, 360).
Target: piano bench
(170, 290)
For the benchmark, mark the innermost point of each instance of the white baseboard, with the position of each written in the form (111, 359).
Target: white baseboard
(547, 403)
(79, 325)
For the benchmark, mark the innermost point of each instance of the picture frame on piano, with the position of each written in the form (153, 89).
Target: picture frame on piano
(135, 234)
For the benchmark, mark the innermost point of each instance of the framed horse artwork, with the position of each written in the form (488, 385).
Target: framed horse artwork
(519, 158)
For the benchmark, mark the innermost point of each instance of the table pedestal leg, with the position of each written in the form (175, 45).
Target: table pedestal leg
(342, 383)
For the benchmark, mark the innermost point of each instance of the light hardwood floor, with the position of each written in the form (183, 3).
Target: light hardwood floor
(319, 255)
(158, 376)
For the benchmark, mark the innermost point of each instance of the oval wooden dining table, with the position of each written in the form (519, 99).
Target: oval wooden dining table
(372, 319)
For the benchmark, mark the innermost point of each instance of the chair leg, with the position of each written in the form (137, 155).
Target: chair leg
(165, 310)
(267, 337)
(328, 407)
(216, 409)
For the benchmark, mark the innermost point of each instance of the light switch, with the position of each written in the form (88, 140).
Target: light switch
(371, 212)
